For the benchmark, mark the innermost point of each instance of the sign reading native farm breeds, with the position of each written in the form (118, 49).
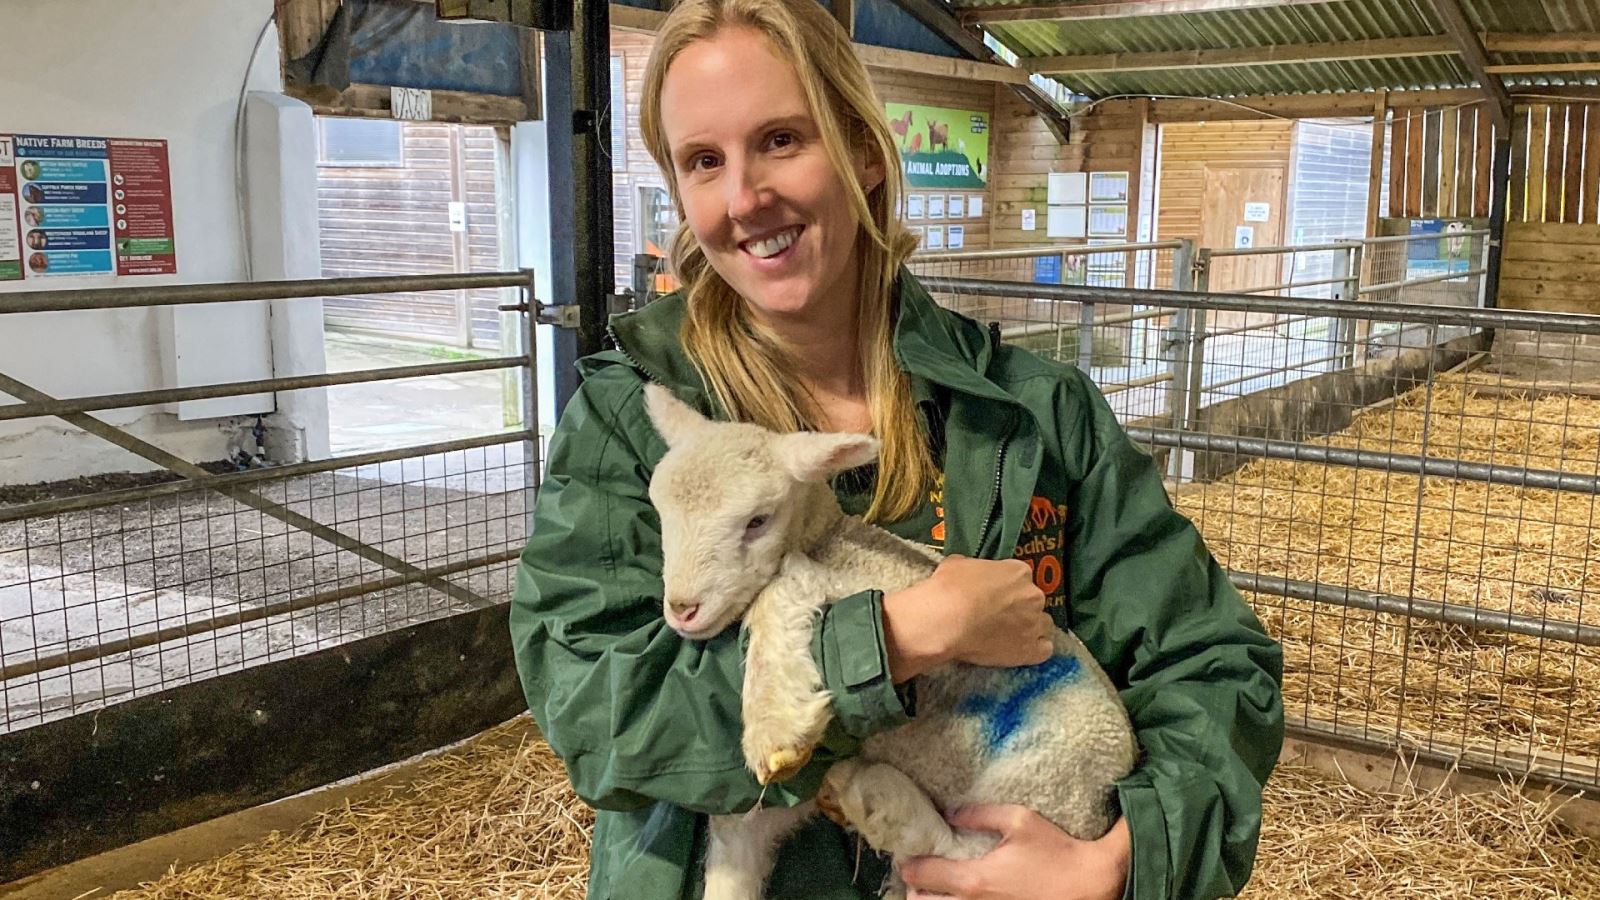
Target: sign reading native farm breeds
(941, 148)
(73, 205)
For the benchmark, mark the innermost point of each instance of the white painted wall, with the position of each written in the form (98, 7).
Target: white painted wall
(172, 69)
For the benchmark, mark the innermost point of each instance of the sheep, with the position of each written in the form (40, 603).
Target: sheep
(751, 530)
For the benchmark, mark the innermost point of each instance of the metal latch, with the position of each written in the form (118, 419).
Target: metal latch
(567, 315)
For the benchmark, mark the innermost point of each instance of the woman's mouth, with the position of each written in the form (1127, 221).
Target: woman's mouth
(775, 246)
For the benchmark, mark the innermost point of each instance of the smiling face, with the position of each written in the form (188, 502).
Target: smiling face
(758, 188)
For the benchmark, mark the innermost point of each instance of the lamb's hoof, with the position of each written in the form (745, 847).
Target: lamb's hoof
(782, 765)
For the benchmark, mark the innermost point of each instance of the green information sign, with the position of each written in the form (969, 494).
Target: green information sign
(941, 148)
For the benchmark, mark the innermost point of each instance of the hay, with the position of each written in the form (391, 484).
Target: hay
(490, 820)
(1496, 547)
(498, 821)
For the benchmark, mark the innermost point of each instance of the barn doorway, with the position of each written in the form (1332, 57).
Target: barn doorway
(412, 198)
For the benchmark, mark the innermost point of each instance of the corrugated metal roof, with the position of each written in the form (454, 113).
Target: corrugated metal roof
(1336, 21)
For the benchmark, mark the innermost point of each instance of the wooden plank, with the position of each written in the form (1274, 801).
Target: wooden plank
(1572, 168)
(632, 18)
(1564, 272)
(1380, 132)
(1112, 9)
(1555, 162)
(1517, 203)
(1275, 54)
(1466, 159)
(1399, 148)
(1566, 42)
(1544, 68)
(1551, 290)
(1449, 133)
(1483, 158)
(372, 101)
(1431, 123)
(1591, 168)
(1556, 233)
(1538, 133)
(1533, 250)
(943, 66)
(1414, 165)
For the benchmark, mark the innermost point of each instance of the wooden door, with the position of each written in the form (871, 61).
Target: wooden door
(1232, 194)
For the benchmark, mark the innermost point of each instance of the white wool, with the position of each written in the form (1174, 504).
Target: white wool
(973, 738)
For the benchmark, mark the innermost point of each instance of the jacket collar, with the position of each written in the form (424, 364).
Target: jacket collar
(933, 345)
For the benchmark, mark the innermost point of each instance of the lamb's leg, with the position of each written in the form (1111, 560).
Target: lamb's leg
(785, 707)
(743, 848)
(893, 814)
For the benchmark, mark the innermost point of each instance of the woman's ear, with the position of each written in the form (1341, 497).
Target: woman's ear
(871, 173)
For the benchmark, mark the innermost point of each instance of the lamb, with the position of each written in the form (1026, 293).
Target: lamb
(751, 529)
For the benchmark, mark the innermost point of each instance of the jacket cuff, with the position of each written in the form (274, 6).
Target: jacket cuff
(1147, 869)
(853, 657)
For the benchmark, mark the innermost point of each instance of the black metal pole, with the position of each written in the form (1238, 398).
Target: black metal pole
(578, 105)
(591, 158)
(1500, 181)
(558, 160)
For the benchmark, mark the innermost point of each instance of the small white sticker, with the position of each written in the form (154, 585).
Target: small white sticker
(1244, 237)
(458, 216)
(1027, 220)
(1257, 212)
(411, 103)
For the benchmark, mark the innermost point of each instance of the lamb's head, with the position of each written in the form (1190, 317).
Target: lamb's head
(733, 500)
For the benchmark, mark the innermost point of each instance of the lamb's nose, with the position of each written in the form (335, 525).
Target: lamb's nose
(682, 610)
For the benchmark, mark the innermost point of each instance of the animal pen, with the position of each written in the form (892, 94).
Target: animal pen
(1403, 490)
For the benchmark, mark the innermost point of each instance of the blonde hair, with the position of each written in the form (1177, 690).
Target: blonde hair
(744, 363)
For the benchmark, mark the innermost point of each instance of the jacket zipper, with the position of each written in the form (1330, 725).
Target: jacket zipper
(649, 375)
(999, 474)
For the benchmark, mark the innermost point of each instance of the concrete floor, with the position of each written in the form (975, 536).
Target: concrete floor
(81, 578)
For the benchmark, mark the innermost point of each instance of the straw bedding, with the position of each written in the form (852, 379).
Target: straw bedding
(499, 821)
(1496, 547)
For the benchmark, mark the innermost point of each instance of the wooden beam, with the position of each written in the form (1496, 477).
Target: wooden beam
(1566, 42)
(1541, 68)
(938, 18)
(1476, 59)
(1335, 105)
(943, 66)
(372, 101)
(632, 18)
(1387, 48)
(845, 12)
(1380, 133)
(1116, 9)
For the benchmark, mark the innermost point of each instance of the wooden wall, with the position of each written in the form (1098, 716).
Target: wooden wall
(931, 90)
(1187, 148)
(1551, 258)
(1439, 161)
(396, 221)
(1109, 138)
(1551, 266)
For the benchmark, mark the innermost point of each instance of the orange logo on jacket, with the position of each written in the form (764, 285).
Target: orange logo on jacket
(1043, 545)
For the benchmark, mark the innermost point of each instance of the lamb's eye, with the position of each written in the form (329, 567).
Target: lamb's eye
(756, 523)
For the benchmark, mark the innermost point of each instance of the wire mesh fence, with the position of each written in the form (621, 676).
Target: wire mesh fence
(1413, 518)
(138, 584)
(1127, 347)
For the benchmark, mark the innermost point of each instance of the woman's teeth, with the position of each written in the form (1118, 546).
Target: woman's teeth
(772, 246)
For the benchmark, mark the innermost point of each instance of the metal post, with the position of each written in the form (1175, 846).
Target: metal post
(1348, 266)
(532, 455)
(1500, 186)
(595, 277)
(1188, 368)
(1183, 263)
(559, 160)
(1085, 336)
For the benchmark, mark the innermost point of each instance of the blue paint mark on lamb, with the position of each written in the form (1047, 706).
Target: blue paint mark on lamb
(1003, 716)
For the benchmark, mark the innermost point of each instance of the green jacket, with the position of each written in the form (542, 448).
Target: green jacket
(1036, 464)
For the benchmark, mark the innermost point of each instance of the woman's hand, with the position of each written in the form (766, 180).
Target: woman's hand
(1035, 860)
(978, 611)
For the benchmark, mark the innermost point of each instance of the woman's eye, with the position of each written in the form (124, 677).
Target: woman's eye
(703, 161)
(756, 523)
(782, 139)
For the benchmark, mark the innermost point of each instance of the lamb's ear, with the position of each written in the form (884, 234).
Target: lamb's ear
(815, 456)
(674, 419)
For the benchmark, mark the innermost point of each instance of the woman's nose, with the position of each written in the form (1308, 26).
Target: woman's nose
(747, 191)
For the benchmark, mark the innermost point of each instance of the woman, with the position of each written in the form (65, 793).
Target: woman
(796, 313)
